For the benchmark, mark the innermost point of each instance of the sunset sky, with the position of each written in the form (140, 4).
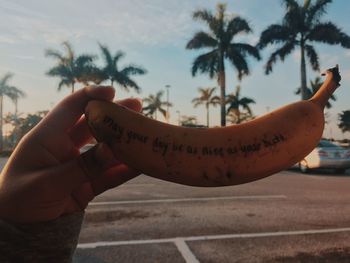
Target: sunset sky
(153, 34)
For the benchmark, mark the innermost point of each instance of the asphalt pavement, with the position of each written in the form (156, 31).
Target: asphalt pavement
(288, 217)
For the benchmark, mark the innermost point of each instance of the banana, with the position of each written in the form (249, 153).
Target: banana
(218, 156)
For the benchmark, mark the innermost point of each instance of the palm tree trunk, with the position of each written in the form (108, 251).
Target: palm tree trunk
(14, 142)
(207, 106)
(238, 116)
(222, 85)
(73, 87)
(112, 82)
(1, 120)
(303, 74)
(16, 107)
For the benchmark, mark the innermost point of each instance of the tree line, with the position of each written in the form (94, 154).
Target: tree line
(301, 27)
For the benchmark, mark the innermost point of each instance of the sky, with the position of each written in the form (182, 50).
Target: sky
(153, 34)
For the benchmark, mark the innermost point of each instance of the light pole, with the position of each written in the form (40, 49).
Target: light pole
(167, 99)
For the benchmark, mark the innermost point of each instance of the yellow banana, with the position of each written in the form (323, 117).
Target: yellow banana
(213, 156)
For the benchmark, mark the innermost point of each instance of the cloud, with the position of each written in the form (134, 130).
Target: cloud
(328, 60)
(7, 39)
(10, 7)
(21, 24)
(24, 57)
(151, 23)
(345, 74)
(128, 22)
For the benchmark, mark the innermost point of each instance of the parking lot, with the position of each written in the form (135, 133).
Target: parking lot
(288, 217)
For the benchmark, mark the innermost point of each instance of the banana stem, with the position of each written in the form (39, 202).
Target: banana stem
(328, 87)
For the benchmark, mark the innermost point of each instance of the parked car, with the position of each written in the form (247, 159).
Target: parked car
(326, 155)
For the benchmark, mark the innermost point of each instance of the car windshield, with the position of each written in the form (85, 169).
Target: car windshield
(327, 144)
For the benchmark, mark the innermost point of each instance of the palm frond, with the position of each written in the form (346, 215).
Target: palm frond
(196, 102)
(127, 83)
(118, 55)
(215, 100)
(316, 10)
(207, 17)
(308, 92)
(248, 109)
(205, 96)
(64, 82)
(281, 53)
(107, 56)
(54, 54)
(239, 62)
(159, 94)
(59, 70)
(162, 111)
(344, 121)
(246, 101)
(246, 49)
(95, 75)
(14, 93)
(295, 18)
(5, 79)
(238, 25)
(211, 91)
(290, 3)
(313, 57)
(133, 70)
(155, 104)
(202, 40)
(330, 34)
(274, 34)
(206, 63)
(69, 49)
(84, 60)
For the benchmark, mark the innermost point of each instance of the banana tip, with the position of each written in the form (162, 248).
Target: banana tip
(336, 74)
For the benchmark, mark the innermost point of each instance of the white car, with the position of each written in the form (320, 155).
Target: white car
(327, 155)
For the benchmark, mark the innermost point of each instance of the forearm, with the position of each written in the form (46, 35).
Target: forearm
(53, 241)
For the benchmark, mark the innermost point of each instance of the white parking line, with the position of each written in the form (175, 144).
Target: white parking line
(212, 237)
(269, 234)
(173, 200)
(185, 251)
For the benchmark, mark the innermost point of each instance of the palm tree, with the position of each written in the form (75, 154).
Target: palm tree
(222, 30)
(14, 95)
(24, 124)
(344, 121)
(207, 98)
(300, 27)
(235, 102)
(315, 86)
(155, 104)
(70, 68)
(122, 76)
(5, 91)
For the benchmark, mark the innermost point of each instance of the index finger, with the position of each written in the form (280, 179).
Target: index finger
(69, 110)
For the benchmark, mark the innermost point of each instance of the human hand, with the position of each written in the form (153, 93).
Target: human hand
(47, 177)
